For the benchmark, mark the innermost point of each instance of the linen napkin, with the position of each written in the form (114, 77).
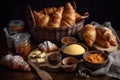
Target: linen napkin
(112, 69)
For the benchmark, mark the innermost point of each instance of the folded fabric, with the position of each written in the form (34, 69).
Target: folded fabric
(112, 69)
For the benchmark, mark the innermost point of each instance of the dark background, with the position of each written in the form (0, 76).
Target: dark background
(100, 10)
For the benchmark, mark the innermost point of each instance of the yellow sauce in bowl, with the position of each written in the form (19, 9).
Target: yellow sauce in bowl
(74, 49)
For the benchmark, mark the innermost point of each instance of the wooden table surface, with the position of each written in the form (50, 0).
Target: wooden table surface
(8, 74)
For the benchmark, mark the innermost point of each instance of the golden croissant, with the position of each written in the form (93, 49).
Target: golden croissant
(103, 43)
(38, 17)
(44, 21)
(113, 40)
(55, 19)
(105, 32)
(15, 62)
(47, 46)
(77, 17)
(89, 34)
(49, 11)
(68, 18)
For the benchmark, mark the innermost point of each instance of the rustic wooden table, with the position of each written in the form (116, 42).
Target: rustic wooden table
(8, 74)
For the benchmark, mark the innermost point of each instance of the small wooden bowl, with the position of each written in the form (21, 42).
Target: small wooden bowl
(68, 40)
(78, 56)
(69, 64)
(95, 65)
(54, 58)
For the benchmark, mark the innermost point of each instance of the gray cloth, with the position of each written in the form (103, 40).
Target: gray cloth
(112, 69)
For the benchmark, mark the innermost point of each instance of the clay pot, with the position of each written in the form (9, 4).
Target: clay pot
(69, 64)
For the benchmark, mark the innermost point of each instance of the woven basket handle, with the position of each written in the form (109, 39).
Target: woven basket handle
(85, 15)
(74, 5)
(30, 15)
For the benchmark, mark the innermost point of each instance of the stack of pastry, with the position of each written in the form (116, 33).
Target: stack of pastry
(15, 62)
(57, 17)
(103, 36)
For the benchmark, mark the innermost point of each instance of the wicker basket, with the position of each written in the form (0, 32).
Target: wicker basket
(52, 34)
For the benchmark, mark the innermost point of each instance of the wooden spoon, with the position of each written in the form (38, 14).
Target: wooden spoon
(41, 73)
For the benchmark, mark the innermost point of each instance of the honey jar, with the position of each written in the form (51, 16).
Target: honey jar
(22, 44)
(16, 26)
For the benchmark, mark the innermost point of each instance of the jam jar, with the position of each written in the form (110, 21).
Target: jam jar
(16, 26)
(22, 44)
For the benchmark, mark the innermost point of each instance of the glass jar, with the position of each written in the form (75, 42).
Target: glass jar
(16, 26)
(22, 44)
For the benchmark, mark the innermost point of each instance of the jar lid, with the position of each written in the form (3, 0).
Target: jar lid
(16, 23)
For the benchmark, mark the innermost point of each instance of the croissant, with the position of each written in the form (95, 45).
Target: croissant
(113, 40)
(15, 62)
(89, 34)
(49, 11)
(55, 19)
(44, 21)
(68, 18)
(105, 32)
(103, 43)
(47, 46)
(77, 17)
(38, 16)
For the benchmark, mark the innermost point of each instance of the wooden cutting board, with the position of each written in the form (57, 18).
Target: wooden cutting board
(46, 65)
(110, 49)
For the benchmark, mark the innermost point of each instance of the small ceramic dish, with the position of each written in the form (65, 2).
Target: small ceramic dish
(69, 64)
(54, 58)
(68, 40)
(95, 59)
(73, 50)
